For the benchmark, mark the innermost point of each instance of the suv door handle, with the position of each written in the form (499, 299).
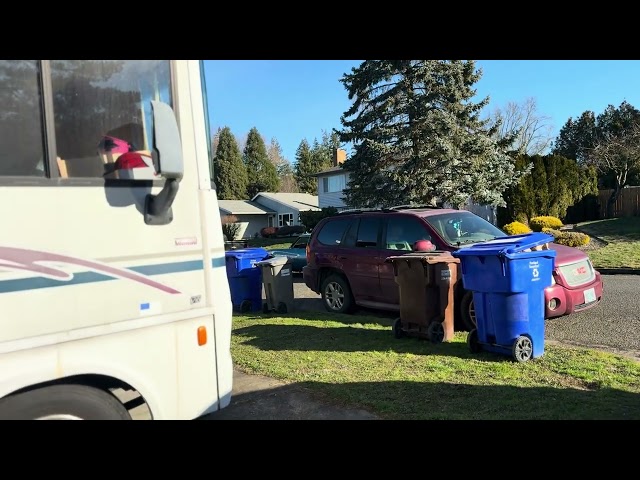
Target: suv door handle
(342, 258)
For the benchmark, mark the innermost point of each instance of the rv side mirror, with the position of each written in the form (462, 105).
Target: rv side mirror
(167, 152)
(167, 157)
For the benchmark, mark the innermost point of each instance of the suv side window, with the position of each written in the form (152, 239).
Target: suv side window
(402, 232)
(332, 232)
(368, 233)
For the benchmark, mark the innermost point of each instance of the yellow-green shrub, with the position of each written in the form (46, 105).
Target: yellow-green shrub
(516, 228)
(574, 239)
(570, 239)
(538, 223)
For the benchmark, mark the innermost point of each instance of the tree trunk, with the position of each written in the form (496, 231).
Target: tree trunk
(611, 202)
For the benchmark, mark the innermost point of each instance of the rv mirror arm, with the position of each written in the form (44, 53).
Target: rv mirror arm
(157, 208)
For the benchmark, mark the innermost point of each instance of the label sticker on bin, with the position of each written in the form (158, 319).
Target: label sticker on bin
(445, 275)
(534, 266)
(285, 272)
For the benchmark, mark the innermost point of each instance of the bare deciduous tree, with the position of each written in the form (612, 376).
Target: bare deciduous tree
(618, 154)
(533, 131)
(283, 167)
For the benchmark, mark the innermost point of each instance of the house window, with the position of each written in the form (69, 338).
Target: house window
(285, 219)
(334, 183)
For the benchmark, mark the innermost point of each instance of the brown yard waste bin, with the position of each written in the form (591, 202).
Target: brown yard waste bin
(278, 284)
(426, 282)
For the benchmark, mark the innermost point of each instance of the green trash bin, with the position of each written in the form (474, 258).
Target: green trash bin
(277, 277)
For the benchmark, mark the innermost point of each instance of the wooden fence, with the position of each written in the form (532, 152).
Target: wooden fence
(627, 205)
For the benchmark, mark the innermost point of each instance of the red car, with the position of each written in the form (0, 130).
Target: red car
(346, 259)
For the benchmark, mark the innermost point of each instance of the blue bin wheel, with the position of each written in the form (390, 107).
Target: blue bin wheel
(265, 308)
(435, 330)
(246, 306)
(472, 341)
(397, 328)
(522, 349)
(282, 307)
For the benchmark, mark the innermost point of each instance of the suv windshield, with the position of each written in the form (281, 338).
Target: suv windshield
(463, 227)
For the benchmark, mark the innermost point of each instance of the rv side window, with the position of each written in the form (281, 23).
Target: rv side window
(102, 112)
(21, 132)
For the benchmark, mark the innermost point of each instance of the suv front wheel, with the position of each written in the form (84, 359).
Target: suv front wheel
(468, 311)
(336, 294)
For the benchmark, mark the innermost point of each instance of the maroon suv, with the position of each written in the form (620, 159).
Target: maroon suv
(346, 259)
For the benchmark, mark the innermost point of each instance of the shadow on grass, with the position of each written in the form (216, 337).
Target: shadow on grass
(615, 230)
(429, 401)
(351, 339)
(313, 309)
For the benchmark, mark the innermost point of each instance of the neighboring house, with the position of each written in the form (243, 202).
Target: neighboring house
(332, 182)
(267, 210)
(286, 205)
(252, 216)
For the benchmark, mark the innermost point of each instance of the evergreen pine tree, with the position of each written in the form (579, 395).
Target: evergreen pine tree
(418, 136)
(230, 174)
(261, 173)
(305, 168)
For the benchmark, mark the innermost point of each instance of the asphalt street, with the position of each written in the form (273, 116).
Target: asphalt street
(612, 325)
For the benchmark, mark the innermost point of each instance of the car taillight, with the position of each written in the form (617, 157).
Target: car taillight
(307, 251)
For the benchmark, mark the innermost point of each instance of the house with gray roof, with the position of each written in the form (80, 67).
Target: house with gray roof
(267, 209)
(251, 216)
(287, 205)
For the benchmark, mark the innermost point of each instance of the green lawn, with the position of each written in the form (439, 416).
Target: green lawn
(623, 238)
(356, 360)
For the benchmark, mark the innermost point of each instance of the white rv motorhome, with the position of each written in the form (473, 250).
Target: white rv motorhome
(112, 264)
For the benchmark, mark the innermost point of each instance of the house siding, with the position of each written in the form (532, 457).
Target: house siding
(331, 199)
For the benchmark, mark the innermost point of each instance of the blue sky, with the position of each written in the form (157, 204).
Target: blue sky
(296, 99)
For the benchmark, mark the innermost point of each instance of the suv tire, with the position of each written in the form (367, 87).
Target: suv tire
(336, 294)
(467, 311)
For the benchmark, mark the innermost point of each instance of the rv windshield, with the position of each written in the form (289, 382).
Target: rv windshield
(463, 228)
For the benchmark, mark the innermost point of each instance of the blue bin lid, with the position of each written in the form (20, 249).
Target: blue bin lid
(505, 246)
(257, 252)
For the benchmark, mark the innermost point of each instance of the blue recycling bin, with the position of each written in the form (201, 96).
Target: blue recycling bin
(508, 276)
(245, 278)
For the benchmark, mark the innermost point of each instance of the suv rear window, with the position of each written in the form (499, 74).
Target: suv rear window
(333, 231)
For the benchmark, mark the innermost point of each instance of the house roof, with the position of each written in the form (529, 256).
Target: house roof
(299, 201)
(329, 171)
(243, 207)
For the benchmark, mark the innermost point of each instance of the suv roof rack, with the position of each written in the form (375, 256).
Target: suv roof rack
(412, 207)
(360, 210)
(395, 208)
